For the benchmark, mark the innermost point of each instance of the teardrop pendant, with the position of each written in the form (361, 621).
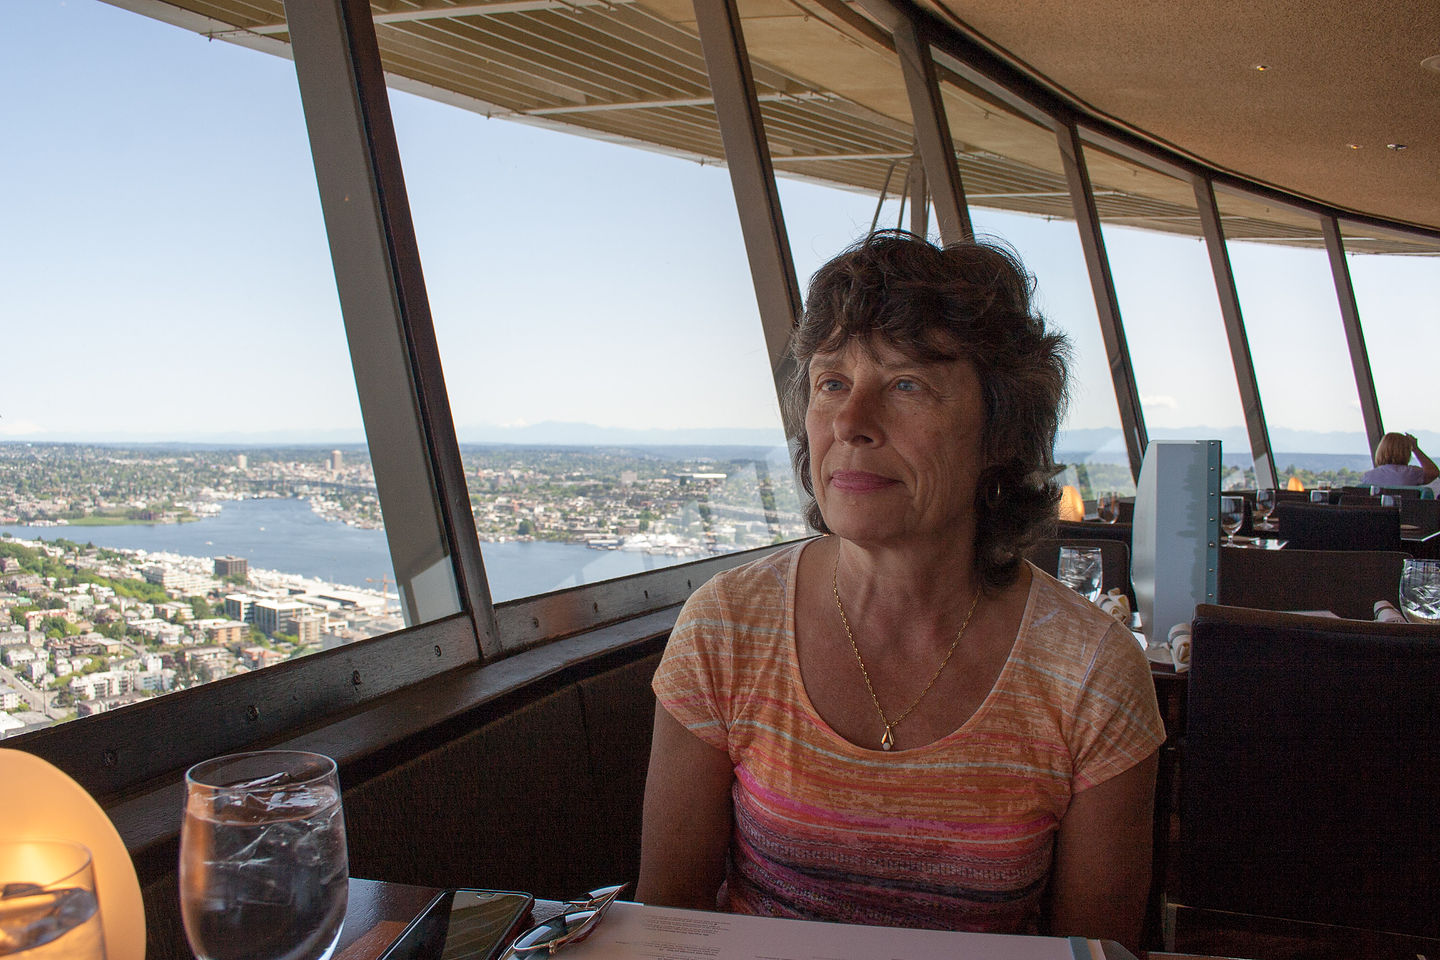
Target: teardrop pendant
(887, 742)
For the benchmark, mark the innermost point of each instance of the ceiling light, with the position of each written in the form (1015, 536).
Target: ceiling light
(1262, 68)
(1397, 147)
(1431, 63)
(1353, 146)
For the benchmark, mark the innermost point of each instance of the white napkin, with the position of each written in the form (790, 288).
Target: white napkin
(1386, 612)
(1180, 647)
(1116, 604)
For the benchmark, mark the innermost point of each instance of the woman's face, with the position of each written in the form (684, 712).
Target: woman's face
(896, 445)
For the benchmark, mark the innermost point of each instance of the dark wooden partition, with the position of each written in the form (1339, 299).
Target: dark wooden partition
(538, 789)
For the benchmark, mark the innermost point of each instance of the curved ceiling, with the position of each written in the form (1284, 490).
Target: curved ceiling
(835, 107)
(1343, 80)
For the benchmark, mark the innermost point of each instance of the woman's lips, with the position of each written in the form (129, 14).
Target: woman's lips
(858, 481)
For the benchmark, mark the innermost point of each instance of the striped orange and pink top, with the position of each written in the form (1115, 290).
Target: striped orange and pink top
(954, 835)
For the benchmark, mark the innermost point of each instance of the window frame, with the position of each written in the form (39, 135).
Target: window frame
(281, 702)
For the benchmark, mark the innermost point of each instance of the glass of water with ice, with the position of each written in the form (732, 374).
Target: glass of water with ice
(264, 872)
(48, 909)
(1080, 569)
(1420, 590)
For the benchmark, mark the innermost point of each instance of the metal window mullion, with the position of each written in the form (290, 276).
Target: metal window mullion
(384, 304)
(1354, 334)
(1107, 305)
(1235, 332)
(919, 201)
(747, 154)
(932, 129)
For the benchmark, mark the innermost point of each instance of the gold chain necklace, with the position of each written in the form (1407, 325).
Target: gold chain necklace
(887, 741)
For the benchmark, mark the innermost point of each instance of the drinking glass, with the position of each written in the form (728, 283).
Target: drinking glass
(1264, 503)
(264, 872)
(1232, 516)
(1107, 506)
(1080, 569)
(1420, 590)
(48, 909)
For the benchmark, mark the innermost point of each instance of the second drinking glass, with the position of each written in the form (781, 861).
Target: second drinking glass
(264, 873)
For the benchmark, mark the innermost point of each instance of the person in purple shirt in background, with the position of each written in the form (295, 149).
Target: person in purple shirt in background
(1392, 463)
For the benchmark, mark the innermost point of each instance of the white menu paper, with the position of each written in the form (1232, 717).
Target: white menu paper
(632, 931)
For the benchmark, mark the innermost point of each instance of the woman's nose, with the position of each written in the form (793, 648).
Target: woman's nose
(857, 421)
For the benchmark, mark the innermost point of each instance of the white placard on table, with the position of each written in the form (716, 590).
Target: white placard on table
(632, 931)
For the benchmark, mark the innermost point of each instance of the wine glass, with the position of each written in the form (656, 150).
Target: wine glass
(1080, 569)
(264, 872)
(1264, 503)
(1232, 516)
(48, 909)
(1420, 590)
(1107, 505)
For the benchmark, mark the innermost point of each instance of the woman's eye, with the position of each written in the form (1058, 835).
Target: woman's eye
(829, 384)
(906, 386)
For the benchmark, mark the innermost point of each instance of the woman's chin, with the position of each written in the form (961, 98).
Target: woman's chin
(868, 531)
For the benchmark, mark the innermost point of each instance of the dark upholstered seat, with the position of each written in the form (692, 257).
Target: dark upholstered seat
(1345, 582)
(1311, 770)
(1312, 526)
(1092, 530)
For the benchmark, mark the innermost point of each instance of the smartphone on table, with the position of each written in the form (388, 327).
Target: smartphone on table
(463, 924)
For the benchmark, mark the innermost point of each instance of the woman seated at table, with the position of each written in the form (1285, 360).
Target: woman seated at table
(1392, 463)
(902, 722)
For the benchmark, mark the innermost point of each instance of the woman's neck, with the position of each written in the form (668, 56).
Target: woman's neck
(924, 590)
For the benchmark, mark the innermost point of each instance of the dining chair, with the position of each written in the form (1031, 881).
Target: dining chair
(1093, 530)
(1344, 582)
(1309, 772)
(1318, 526)
(1423, 515)
(1410, 493)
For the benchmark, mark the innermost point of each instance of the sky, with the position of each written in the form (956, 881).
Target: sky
(169, 225)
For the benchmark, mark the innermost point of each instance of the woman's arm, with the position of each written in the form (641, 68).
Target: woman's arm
(1101, 876)
(687, 818)
(1426, 464)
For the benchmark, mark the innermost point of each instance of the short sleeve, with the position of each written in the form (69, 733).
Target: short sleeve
(1117, 719)
(695, 669)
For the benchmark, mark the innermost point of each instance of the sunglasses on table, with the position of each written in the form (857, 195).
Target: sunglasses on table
(571, 925)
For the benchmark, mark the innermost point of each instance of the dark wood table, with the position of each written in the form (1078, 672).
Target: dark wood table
(377, 912)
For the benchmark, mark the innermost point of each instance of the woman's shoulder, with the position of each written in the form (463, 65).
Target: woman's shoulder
(1062, 627)
(732, 624)
(1394, 475)
(748, 600)
(756, 582)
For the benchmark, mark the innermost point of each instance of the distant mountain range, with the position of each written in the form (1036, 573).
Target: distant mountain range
(1103, 444)
(1236, 439)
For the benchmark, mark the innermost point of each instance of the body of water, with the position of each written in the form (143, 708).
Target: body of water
(288, 536)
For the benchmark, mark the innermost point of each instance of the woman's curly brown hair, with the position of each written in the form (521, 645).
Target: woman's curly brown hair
(967, 301)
